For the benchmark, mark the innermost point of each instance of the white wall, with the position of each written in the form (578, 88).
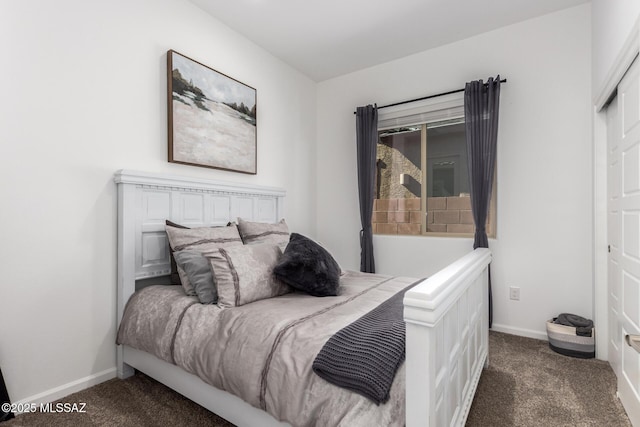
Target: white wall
(84, 95)
(544, 238)
(613, 20)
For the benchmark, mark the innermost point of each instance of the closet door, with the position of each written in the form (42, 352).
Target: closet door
(624, 238)
(616, 339)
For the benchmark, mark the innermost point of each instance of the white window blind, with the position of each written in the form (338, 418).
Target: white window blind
(437, 109)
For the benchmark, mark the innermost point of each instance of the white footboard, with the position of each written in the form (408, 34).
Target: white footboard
(447, 341)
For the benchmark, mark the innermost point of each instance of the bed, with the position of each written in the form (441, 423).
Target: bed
(445, 315)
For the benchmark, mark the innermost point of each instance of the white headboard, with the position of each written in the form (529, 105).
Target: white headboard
(146, 200)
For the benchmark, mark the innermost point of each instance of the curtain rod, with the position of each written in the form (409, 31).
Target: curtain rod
(427, 97)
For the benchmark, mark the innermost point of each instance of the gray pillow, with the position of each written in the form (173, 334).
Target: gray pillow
(201, 239)
(254, 233)
(198, 270)
(244, 274)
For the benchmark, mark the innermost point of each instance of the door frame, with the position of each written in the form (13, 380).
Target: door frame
(623, 61)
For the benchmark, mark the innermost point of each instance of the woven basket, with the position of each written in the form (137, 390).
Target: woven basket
(563, 340)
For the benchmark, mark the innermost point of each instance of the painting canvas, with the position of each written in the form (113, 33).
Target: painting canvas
(212, 117)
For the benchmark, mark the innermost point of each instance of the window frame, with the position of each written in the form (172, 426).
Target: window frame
(421, 113)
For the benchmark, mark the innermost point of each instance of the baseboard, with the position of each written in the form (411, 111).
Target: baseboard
(69, 388)
(520, 332)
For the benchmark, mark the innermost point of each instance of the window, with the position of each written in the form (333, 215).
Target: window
(422, 182)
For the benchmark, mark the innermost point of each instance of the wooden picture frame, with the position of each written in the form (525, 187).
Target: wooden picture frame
(211, 117)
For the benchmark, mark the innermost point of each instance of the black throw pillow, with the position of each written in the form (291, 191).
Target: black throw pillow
(307, 266)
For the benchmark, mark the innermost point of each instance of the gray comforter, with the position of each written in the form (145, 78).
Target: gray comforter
(263, 351)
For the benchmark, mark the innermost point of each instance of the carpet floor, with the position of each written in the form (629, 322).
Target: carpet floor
(526, 384)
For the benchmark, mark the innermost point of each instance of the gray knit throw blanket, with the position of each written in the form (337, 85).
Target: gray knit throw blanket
(365, 355)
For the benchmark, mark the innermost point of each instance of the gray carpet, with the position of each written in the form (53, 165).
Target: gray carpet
(526, 384)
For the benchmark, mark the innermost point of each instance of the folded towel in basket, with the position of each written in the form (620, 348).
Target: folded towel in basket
(584, 327)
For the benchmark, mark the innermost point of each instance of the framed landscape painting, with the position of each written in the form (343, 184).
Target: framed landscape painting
(212, 117)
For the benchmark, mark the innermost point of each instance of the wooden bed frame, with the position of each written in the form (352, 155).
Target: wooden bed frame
(446, 314)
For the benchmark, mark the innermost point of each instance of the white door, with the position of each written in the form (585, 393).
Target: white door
(623, 209)
(613, 235)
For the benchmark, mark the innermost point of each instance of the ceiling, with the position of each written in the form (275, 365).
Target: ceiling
(329, 38)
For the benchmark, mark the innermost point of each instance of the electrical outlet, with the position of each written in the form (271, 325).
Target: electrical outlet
(514, 293)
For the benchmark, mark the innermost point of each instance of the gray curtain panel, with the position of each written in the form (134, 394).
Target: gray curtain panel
(481, 107)
(366, 138)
